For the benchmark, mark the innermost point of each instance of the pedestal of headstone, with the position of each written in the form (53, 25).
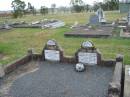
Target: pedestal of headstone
(88, 54)
(52, 51)
(2, 73)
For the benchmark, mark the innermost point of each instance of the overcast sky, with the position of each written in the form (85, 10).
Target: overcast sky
(6, 4)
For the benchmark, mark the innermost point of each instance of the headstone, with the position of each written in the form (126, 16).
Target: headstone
(100, 15)
(94, 20)
(88, 54)
(2, 73)
(52, 51)
(129, 18)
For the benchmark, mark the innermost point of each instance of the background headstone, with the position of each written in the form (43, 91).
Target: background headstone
(94, 20)
(101, 16)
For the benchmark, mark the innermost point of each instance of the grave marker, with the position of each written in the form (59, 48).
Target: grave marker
(52, 51)
(88, 54)
(94, 20)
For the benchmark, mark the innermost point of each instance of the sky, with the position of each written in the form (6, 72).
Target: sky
(6, 4)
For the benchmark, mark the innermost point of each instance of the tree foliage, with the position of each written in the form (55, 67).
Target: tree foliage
(77, 5)
(44, 10)
(18, 8)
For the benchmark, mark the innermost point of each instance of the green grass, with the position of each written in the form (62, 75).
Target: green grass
(15, 43)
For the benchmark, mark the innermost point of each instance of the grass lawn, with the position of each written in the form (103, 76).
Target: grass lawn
(15, 43)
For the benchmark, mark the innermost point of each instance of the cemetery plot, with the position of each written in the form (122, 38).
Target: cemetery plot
(58, 80)
(39, 24)
(90, 32)
(34, 75)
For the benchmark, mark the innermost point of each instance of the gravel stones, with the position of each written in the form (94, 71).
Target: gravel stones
(60, 80)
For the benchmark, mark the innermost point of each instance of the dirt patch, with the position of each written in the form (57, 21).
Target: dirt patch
(6, 83)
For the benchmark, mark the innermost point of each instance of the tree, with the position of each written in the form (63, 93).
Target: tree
(77, 5)
(53, 6)
(18, 8)
(87, 7)
(44, 10)
(34, 11)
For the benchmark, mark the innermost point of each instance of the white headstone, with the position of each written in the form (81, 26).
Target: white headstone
(87, 44)
(2, 73)
(100, 14)
(52, 55)
(87, 58)
(51, 43)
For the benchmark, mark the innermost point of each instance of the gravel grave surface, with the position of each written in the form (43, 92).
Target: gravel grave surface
(61, 80)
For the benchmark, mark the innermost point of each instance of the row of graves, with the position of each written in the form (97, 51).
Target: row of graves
(52, 23)
(97, 27)
(52, 74)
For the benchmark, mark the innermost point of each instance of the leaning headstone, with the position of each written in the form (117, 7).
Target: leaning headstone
(94, 20)
(52, 51)
(88, 54)
(2, 73)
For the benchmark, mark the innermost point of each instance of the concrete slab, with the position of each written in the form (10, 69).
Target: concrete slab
(127, 81)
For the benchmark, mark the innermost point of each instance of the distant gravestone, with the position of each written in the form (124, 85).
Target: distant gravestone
(52, 51)
(94, 20)
(129, 18)
(88, 54)
(101, 16)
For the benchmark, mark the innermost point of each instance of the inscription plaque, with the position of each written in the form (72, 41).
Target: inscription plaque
(87, 58)
(52, 55)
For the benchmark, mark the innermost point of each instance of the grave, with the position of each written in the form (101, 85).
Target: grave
(52, 74)
(39, 24)
(125, 30)
(5, 26)
(90, 32)
(88, 54)
(96, 28)
(52, 51)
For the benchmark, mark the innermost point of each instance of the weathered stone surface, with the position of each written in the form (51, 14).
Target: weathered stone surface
(115, 85)
(88, 54)
(2, 73)
(52, 51)
(127, 81)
